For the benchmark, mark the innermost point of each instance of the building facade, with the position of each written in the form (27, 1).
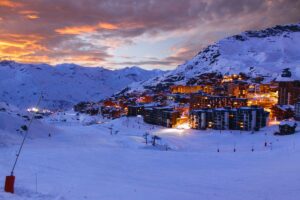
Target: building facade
(287, 127)
(288, 92)
(185, 89)
(288, 88)
(163, 116)
(135, 110)
(244, 118)
(201, 119)
(202, 100)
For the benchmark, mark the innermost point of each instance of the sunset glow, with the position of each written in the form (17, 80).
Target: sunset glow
(115, 34)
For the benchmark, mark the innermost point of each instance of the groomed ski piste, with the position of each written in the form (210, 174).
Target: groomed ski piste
(93, 158)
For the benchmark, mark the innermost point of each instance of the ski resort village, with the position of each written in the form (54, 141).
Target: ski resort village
(229, 102)
(93, 107)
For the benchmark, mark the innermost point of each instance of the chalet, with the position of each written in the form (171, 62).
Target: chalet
(287, 127)
(283, 112)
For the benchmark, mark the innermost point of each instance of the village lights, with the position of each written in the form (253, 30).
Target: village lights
(184, 126)
(33, 109)
(241, 125)
(171, 131)
(221, 102)
(274, 122)
(210, 124)
(38, 110)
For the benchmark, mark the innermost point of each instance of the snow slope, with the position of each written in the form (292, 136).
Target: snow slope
(86, 162)
(11, 120)
(263, 52)
(63, 85)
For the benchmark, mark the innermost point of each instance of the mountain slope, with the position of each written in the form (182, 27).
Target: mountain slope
(63, 85)
(11, 122)
(264, 52)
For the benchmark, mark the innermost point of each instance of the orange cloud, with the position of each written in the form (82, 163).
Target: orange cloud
(30, 14)
(31, 58)
(77, 30)
(18, 47)
(4, 43)
(81, 59)
(107, 26)
(9, 3)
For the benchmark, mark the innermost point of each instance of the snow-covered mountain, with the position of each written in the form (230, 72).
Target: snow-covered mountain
(263, 52)
(63, 85)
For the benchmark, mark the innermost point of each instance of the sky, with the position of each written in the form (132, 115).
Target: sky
(118, 33)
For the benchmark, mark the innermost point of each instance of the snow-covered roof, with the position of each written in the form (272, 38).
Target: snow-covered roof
(284, 79)
(220, 109)
(151, 104)
(288, 122)
(165, 107)
(285, 107)
(246, 108)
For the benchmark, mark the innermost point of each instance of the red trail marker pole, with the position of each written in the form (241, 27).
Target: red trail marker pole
(10, 180)
(9, 184)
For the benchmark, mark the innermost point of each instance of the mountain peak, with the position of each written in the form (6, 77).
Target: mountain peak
(63, 85)
(269, 32)
(255, 53)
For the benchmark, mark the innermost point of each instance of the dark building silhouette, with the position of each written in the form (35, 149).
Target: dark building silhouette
(288, 88)
(163, 116)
